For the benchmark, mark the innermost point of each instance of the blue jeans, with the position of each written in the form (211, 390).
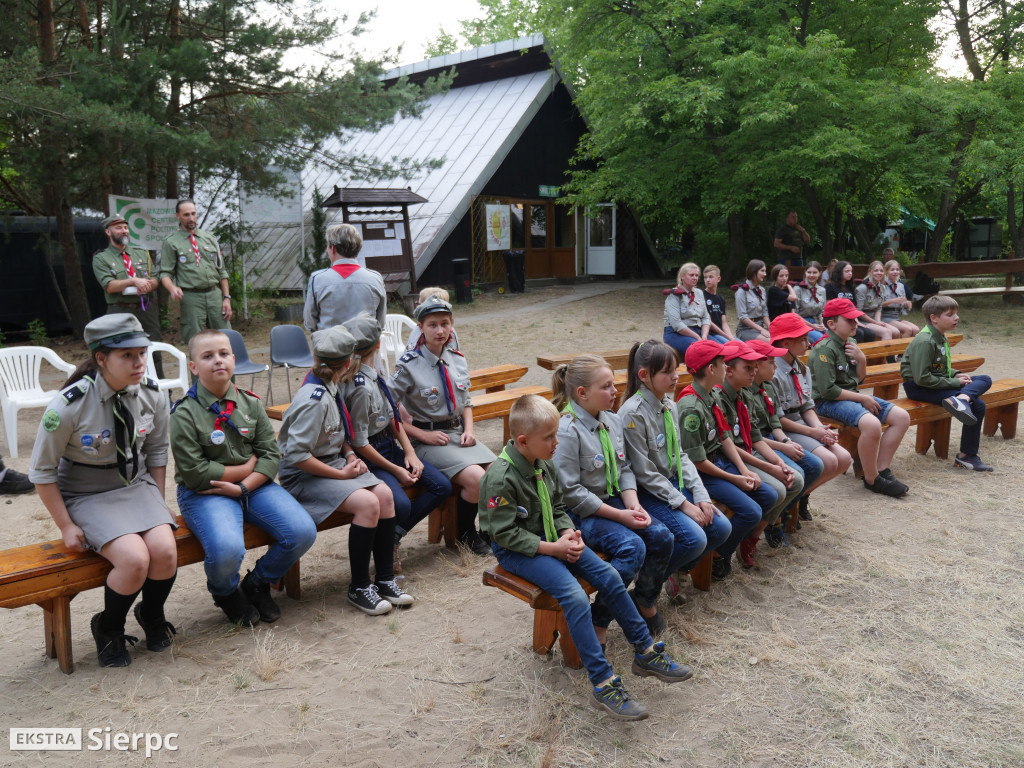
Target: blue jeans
(435, 488)
(970, 437)
(813, 335)
(680, 343)
(747, 506)
(217, 523)
(692, 541)
(850, 412)
(810, 466)
(558, 578)
(642, 555)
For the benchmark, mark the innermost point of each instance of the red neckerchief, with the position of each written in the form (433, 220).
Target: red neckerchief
(877, 289)
(756, 290)
(892, 287)
(767, 400)
(128, 266)
(723, 425)
(345, 269)
(814, 292)
(796, 380)
(195, 246)
(225, 415)
(743, 417)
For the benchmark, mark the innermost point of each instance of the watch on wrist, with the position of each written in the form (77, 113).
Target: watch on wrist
(227, 296)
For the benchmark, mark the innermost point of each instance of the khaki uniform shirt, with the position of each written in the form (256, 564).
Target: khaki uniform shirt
(108, 265)
(312, 426)
(752, 303)
(370, 411)
(686, 310)
(831, 370)
(870, 297)
(198, 460)
(698, 430)
(510, 509)
(332, 299)
(417, 383)
(78, 425)
(810, 303)
(924, 362)
(726, 398)
(788, 400)
(178, 261)
(761, 420)
(580, 460)
(891, 291)
(647, 447)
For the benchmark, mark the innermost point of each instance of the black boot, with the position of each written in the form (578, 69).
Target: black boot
(237, 608)
(159, 632)
(111, 646)
(259, 596)
(805, 508)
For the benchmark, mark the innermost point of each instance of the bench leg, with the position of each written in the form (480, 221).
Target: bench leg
(57, 628)
(925, 434)
(444, 521)
(570, 656)
(887, 391)
(1004, 416)
(940, 434)
(505, 428)
(701, 574)
(848, 437)
(545, 630)
(292, 581)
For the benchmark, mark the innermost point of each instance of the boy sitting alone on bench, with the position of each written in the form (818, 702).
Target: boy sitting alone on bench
(533, 537)
(928, 375)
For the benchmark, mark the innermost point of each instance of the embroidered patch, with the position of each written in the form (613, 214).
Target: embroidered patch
(496, 501)
(318, 393)
(72, 394)
(691, 423)
(407, 357)
(631, 425)
(359, 379)
(823, 358)
(51, 420)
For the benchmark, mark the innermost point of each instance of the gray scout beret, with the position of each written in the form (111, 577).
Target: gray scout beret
(364, 330)
(332, 345)
(112, 220)
(429, 307)
(119, 331)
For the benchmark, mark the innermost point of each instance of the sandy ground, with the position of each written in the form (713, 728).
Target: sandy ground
(888, 634)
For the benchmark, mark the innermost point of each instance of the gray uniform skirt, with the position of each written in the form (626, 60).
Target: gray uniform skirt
(806, 442)
(104, 508)
(453, 458)
(320, 496)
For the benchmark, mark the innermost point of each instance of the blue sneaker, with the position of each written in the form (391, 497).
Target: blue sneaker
(971, 462)
(656, 663)
(616, 701)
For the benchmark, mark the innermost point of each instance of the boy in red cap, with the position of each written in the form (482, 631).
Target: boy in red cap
(706, 437)
(837, 367)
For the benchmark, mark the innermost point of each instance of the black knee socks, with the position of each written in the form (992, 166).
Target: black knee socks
(360, 545)
(115, 609)
(154, 595)
(383, 550)
(466, 515)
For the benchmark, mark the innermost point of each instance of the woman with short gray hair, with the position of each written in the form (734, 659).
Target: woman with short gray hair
(337, 294)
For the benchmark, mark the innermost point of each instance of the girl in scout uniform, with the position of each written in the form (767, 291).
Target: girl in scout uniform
(432, 382)
(708, 441)
(668, 485)
(99, 465)
(781, 295)
(600, 488)
(895, 303)
(686, 314)
(752, 303)
(843, 286)
(381, 441)
(810, 300)
(320, 469)
(869, 301)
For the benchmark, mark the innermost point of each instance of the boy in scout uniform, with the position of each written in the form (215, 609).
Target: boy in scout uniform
(192, 271)
(533, 537)
(226, 458)
(929, 376)
(129, 280)
(837, 367)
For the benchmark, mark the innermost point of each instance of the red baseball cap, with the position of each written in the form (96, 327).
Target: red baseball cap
(841, 308)
(702, 352)
(736, 348)
(789, 325)
(764, 349)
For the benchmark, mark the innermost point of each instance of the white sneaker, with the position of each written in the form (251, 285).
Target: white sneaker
(368, 601)
(960, 410)
(394, 594)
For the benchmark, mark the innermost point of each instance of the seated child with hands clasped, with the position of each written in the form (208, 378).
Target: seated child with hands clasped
(533, 537)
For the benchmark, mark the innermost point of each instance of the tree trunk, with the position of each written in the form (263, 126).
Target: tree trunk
(820, 221)
(860, 233)
(1014, 229)
(77, 302)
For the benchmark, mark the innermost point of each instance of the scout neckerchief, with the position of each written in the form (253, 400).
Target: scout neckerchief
(796, 380)
(223, 417)
(877, 288)
(691, 296)
(345, 269)
(892, 287)
(124, 438)
(720, 422)
(767, 400)
(611, 468)
(945, 348)
(671, 439)
(547, 511)
(195, 247)
(129, 267)
(311, 379)
(755, 289)
(386, 391)
(814, 292)
(446, 380)
(743, 417)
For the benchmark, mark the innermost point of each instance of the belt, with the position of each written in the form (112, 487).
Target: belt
(791, 411)
(200, 290)
(453, 423)
(91, 466)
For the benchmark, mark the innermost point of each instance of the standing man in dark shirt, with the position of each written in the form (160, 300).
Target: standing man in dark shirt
(790, 239)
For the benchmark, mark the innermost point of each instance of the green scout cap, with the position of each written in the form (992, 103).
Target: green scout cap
(112, 220)
(333, 345)
(430, 306)
(364, 330)
(118, 331)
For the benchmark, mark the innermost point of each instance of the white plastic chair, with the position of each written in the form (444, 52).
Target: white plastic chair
(396, 335)
(387, 342)
(19, 385)
(167, 384)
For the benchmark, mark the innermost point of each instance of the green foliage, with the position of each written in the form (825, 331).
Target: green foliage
(316, 257)
(37, 335)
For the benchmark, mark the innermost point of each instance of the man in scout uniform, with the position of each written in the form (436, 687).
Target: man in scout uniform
(129, 278)
(192, 271)
(345, 289)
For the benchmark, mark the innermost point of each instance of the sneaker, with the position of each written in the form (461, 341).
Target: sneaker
(961, 411)
(655, 624)
(971, 462)
(396, 561)
(111, 647)
(747, 550)
(721, 567)
(775, 535)
(15, 483)
(888, 475)
(159, 632)
(885, 486)
(259, 596)
(674, 589)
(656, 663)
(394, 594)
(237, 608)
(616, 701)
(805, 509)
(475, 543)
(368, 601)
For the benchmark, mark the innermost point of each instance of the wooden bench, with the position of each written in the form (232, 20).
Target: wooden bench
(983, 267)
(885, 379)
(618, 359)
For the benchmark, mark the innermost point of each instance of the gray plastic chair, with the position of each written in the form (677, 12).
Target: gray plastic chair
(289, 348)
(243, 365)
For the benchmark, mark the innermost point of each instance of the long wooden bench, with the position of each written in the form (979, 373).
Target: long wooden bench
(982, 267)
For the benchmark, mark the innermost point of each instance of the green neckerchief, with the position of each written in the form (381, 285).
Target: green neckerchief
(547, 512)
(611, 468)
(945, 348)
(671, 440)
